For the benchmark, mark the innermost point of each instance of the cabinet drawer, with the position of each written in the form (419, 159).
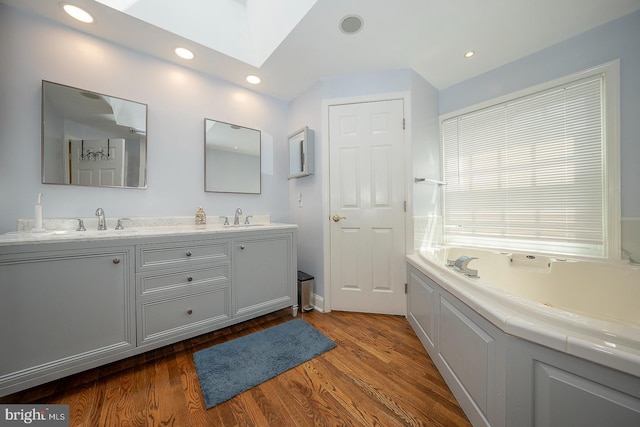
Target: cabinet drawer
(149, 284)
(172, 317)
(151, 257)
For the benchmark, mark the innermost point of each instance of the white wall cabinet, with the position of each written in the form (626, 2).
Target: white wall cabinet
(67, 307)
(501, 380)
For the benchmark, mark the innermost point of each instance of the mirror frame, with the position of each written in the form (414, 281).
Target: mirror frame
(301, 151)
(66, 115)
(209, 167)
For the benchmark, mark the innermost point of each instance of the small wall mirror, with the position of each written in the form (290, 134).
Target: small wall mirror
(92, 139)
(301, 162)
(232, 158)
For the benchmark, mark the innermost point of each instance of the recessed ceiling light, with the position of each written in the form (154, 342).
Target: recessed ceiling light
(77, 13)
(254, 80)
(183, 53)
(469, 54)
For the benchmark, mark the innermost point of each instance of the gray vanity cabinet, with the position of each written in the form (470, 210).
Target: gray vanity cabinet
(264, 268)
(74, 305)
(183, 288)
(63, 309)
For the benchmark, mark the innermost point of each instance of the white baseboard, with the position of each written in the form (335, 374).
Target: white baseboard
(318, 303)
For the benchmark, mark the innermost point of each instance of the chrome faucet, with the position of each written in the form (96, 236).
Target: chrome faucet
(102, 223)
(461, 265)
(236, 218)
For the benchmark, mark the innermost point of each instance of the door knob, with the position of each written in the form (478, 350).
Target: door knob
(337, 218)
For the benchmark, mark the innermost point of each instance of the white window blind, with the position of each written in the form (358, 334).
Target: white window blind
(529, 173)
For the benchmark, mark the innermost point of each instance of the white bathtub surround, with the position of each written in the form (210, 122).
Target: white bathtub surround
(565, 301)
(608, 291)
(533, 337)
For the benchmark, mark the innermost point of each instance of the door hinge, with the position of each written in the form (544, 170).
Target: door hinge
(403, 124)
(404, 205)
(406, 288)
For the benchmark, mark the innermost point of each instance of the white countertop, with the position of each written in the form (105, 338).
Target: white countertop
(58, 231)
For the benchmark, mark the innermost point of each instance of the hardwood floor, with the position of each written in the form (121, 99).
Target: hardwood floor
(378, 375)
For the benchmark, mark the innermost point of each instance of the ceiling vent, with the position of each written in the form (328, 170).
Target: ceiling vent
(351, 24)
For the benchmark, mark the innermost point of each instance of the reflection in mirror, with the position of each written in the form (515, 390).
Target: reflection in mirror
(92, 139)
(232, 158)
(301, 162)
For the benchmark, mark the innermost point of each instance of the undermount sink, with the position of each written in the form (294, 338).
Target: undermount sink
(93, 232)
(242, 225)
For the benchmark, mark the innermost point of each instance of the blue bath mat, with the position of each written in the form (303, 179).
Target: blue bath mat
(226, 370)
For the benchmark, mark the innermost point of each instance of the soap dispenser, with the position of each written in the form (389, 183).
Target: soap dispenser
(37, 228)
(201, 217)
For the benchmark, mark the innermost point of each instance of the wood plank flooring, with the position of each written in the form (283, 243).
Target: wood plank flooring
(378, 375)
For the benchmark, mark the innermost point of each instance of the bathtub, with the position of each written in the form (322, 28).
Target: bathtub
(584, 310)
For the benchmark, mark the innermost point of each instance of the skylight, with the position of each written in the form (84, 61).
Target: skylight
(247, 30)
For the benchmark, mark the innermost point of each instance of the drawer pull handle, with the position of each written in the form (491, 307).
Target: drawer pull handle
(242, 247)
(189, 279)
(116, 261)
(189, 253)
(189, 312)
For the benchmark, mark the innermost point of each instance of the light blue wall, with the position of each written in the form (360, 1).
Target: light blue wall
(366, 84)
(424, 200)
(178, 99)
(617, 39)
(425, 129)
(305, 111)
(421, 112)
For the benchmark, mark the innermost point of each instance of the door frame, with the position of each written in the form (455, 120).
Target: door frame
(326, 195)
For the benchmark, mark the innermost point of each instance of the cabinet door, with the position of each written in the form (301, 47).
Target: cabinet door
(63, 308)
(422, 304)
(546, 387)
(263, 274)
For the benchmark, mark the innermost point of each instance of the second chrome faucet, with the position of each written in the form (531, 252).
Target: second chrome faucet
(236, 217)
(102, 222)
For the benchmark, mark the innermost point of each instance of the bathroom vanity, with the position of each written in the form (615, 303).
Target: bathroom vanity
(71, 301)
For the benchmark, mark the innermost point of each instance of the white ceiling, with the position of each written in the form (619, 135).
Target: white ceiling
(248, 30)
(429, 36)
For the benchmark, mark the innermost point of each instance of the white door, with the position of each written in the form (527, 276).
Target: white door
(96, 169)
(366, 155)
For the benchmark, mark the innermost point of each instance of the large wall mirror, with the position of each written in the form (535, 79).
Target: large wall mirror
(232, 158)
(92, 139)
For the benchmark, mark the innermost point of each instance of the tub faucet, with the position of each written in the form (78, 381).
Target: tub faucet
(102, 223)
(461, 265)
(236, 218)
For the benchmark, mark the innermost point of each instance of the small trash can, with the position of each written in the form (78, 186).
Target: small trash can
(305, 291)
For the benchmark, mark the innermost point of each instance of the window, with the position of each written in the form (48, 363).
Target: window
(535, 172)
